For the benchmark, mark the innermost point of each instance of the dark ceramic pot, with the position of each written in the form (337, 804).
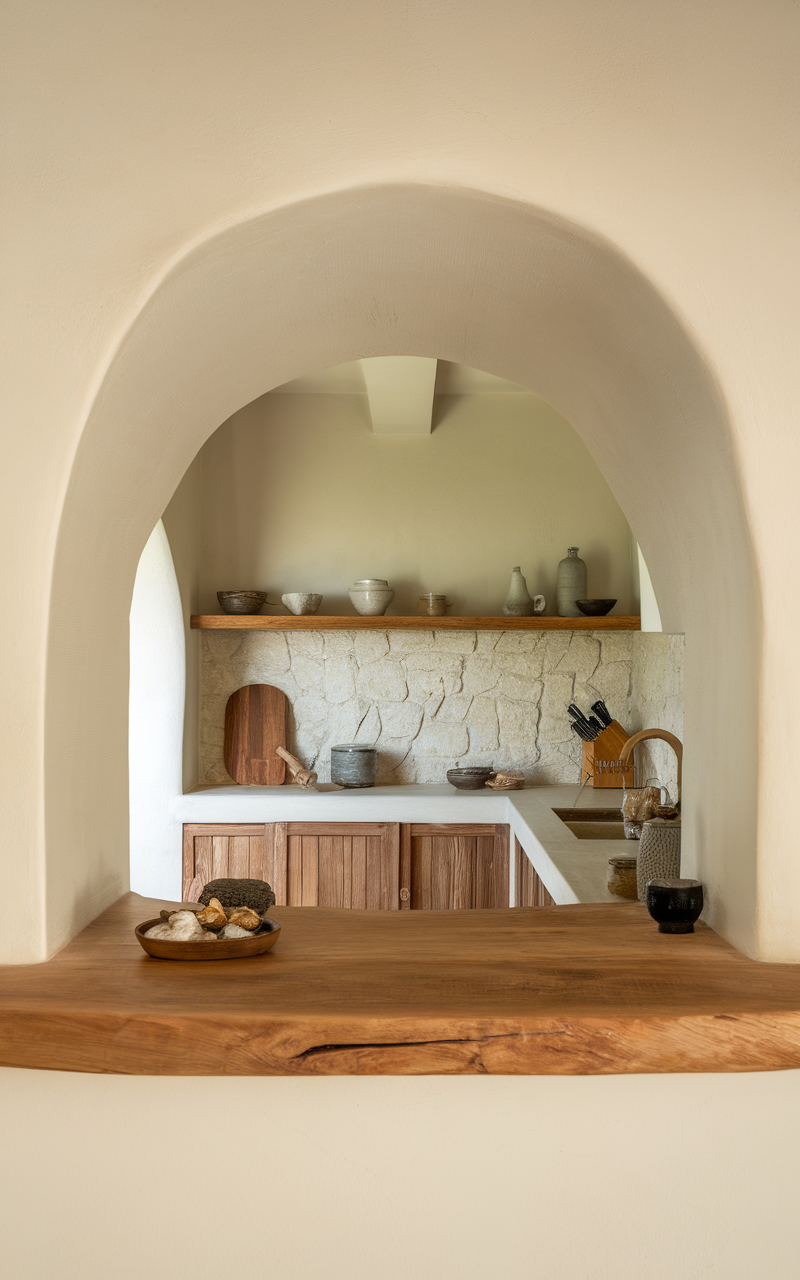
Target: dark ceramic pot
(595, 608)
(674, 904)
(469, 779)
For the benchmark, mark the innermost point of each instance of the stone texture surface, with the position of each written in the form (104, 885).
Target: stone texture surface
(431, 700)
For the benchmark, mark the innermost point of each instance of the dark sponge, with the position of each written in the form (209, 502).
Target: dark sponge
(239, 893)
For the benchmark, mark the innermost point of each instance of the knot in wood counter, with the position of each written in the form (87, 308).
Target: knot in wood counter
(568, 990)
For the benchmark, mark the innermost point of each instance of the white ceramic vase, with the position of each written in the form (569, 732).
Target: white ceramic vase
(519, 603)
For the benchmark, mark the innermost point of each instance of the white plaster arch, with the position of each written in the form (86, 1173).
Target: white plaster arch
(405, 270)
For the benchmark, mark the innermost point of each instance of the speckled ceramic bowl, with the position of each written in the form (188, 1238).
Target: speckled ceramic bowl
(302, 602)
(472, 779)
(242, 601)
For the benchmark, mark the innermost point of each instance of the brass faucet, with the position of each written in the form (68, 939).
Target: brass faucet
(665, 736)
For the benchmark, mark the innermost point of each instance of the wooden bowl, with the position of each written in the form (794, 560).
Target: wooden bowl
(222, 949)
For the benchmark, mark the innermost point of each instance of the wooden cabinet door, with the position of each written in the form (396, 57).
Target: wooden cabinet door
(341, 864)
(530, 887)
(454, 866)
(211, 850)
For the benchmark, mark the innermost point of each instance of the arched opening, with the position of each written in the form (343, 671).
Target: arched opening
(405, 270)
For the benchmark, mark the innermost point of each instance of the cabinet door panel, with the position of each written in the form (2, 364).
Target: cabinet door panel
(358, 873)
(459, 868)
(530, 887)
(228, 849)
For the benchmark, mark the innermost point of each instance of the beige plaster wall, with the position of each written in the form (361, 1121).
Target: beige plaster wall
(608, 1178)
(298, 494)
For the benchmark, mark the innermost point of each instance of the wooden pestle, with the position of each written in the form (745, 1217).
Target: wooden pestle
(302, 776)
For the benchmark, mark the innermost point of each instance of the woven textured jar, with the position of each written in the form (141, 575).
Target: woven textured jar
(659, 853)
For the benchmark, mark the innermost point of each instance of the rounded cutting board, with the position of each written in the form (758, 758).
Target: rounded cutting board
(255, 724)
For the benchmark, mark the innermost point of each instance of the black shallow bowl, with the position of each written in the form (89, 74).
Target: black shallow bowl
(674, 904)
(595, 608)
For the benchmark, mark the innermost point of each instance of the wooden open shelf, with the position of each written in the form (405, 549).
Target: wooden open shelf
(315, 622)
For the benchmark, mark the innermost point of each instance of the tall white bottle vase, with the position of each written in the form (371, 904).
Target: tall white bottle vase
(570, 584)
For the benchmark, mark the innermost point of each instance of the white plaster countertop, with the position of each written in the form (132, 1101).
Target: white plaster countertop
(572, 870)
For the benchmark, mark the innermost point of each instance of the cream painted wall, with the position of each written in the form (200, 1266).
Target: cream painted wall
(154, 253)
(298, 494)
(600, 1178)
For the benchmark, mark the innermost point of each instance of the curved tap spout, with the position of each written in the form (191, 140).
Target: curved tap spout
(665, 736)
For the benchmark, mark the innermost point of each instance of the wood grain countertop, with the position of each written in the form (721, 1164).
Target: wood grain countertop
(589, 989)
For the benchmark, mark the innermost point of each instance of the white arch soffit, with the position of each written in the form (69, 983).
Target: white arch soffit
(407, 270)
(155, 721)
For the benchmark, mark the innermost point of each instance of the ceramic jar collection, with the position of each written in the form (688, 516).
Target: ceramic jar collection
(371, 597)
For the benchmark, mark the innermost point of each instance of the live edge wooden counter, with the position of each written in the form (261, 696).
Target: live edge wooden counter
(569, 990)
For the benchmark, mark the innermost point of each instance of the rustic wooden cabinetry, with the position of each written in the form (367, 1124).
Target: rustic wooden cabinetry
(454, 866)
(373, 865)
(530, 888)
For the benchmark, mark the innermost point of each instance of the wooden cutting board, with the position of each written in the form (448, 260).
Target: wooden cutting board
(255, 724)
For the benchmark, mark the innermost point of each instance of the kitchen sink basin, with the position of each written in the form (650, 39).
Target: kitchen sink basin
(593, 824)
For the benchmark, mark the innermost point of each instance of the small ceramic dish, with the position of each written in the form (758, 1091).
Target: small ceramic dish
(595, 608)
(469, 779)
(302, 602)
(220, 949)
(242, 601)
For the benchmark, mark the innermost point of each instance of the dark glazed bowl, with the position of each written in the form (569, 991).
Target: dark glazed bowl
(595, 608)
(242, 601)
(674, 904)
(469, 779)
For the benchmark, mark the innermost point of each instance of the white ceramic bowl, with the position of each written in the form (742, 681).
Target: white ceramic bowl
(300, 602)
(371, 596)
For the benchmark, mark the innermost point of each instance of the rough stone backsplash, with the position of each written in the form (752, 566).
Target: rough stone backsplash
(428, 699)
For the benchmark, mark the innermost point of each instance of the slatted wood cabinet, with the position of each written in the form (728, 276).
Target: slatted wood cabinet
(385, 866)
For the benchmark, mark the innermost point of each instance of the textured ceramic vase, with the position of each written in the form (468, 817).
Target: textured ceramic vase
(519, 604)
(659, 853)
(371, 596)
(570, 584)
(353, 764)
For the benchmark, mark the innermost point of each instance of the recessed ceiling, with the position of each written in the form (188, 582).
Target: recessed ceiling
(451, 380)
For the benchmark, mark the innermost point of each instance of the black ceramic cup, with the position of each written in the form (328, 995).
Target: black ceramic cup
(674, 904)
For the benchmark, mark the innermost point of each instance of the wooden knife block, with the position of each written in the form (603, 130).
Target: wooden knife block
(604, 752)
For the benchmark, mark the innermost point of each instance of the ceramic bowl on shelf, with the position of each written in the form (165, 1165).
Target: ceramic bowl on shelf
(256, 944)
(242, 601)
(371, 596)
(301, 602)
(472, 779)
(595, 608)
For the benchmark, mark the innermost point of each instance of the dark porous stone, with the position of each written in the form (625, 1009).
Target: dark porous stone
(240, 893)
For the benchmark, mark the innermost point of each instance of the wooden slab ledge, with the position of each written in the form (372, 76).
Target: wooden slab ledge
(316, 622)
(572, 990)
